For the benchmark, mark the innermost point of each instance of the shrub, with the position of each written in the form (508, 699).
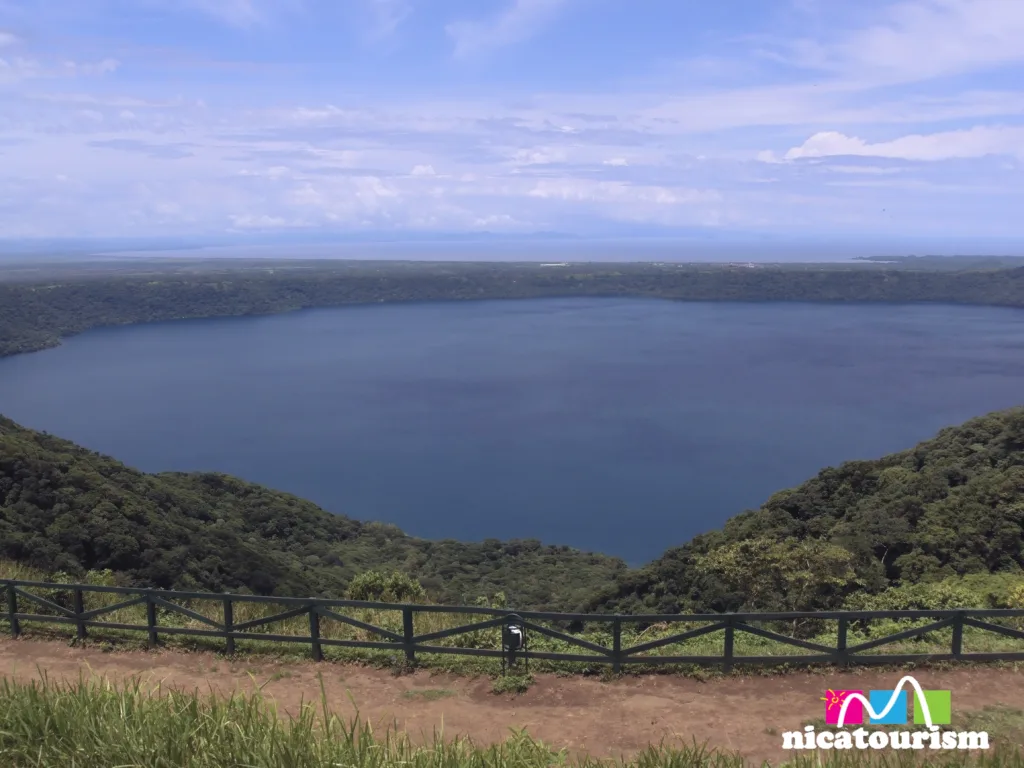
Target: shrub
(512, 684)
(379, 587)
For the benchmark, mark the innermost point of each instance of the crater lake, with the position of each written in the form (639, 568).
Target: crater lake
(623, 426)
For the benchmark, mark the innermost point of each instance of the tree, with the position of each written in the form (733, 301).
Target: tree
(378, 587)
(766, 574)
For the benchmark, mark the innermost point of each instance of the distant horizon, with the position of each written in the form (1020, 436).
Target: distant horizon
(534, 247)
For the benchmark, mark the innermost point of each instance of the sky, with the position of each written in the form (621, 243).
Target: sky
(791, 118)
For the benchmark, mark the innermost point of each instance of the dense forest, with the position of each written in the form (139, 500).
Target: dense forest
(37, 314)
(64, 508)
(948, 507)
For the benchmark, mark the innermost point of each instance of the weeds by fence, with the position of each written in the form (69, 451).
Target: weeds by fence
(597, 641)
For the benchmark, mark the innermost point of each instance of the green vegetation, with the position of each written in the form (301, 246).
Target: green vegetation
(986, 590)
(948, 507)
(66, 509)
(1005, 725)
(93, 724)
(945, 262)
(938, 526)
(512, 684)
(377, 587)
(893, 532)
(36, 315)
(47, 725)
(897, 532)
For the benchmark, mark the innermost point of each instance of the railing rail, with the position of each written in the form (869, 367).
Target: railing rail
(409, 643)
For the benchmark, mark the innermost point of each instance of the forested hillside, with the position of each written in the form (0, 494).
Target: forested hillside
(37, 315)
(63, 508)
(950, 506)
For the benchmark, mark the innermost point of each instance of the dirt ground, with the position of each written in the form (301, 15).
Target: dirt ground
(747, 714)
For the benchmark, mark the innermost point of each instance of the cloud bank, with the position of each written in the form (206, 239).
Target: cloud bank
(215, 116)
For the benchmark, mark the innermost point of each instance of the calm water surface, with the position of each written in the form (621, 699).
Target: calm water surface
(623, 426)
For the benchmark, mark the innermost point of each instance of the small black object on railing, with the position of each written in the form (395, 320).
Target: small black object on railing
(513, 643)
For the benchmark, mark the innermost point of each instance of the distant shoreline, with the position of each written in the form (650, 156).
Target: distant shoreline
(43, 305)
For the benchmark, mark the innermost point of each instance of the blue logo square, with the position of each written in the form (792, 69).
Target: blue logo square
(880, 700)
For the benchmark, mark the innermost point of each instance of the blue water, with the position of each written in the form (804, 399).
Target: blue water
(622, 426)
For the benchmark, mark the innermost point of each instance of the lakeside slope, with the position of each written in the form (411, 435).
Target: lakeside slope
(890, 532)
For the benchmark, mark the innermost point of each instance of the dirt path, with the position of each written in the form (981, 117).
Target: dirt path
(583, 715)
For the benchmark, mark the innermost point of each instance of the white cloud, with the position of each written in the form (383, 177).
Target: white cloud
(386, 16)
(916, 40)
(613, 191)
(975, 142)
(930, 38)
(519, 21)
(501, 222)
(295, 151)
(539, 156)
(863, 170)
(239, 13)
(20, 68)
(248, 221)
(274, 173)
(105, 100)
(7, 38)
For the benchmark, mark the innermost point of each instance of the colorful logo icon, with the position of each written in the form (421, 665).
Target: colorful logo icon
(940, 706)
(834, 705)
(889, 711)
(888, 707)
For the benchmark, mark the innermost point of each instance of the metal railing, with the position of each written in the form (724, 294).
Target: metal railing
(409, 643)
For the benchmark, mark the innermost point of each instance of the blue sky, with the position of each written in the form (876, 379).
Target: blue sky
(792, 117)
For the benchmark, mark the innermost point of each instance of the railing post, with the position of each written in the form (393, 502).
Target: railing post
(229, 625)
(958, 635)
(151, 621)
(12, 610)
(314, 634)
(79, 606)
(408, 634)
(727, 656)
(841, 640)
(617, 645)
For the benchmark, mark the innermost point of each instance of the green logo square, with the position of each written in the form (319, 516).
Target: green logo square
(940, 706)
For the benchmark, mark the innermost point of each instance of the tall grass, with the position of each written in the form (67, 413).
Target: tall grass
(711, 646)
(94, 724)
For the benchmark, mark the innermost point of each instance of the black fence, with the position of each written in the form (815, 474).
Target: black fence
(409, 643)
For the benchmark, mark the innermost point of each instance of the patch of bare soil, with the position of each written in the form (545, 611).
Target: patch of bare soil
(746, 714)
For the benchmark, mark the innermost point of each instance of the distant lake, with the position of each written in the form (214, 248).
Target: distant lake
(621, 426)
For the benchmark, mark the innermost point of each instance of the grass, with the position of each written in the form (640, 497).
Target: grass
(710, 646)
(1005, 725)
(512, 684)
(93, 724)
